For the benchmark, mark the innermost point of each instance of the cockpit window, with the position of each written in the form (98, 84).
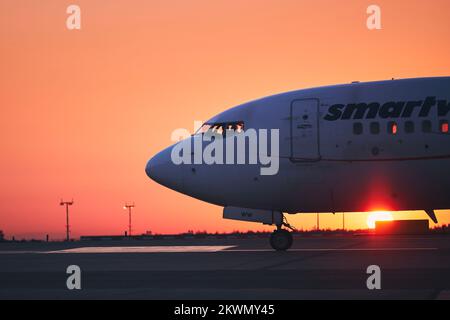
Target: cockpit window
(217, 128)
(239, 127)
(204, 128)
(221, 128)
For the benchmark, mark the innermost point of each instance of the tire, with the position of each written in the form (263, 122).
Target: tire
(281, 240)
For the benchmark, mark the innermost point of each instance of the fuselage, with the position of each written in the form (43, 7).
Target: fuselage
(346, 148)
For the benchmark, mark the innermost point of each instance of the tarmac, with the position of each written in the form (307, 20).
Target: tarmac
(321, 267)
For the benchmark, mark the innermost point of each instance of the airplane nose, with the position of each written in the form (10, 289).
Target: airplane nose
(148, 168)
(162, 170)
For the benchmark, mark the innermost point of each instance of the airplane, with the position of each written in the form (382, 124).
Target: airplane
(353, 147)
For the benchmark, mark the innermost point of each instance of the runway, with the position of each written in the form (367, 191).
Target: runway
(412, 267)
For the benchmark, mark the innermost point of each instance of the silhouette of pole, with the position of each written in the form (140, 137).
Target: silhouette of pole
(318, 222)
(343, 220)
(129, 207)
(67, 204)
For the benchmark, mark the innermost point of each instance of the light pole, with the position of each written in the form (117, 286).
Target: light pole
(67, 204)
(318, 222)
(129, 207)
(343, 221)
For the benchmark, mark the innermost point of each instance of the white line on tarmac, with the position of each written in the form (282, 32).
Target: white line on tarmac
(200, 249)
(335, 249)
(154, 249)
(20, 252)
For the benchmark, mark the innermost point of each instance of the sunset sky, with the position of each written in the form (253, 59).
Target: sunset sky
(81, 111)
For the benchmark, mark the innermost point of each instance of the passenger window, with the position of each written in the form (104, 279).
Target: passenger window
(443, 125)
(426, 126)
(374, 128)
(409, 127)
(357, 128)
(392, 128)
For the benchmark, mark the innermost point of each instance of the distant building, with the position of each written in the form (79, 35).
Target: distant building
(2, 236)
(402, 227)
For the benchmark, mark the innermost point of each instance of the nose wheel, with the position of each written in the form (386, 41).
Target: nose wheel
(281, 240)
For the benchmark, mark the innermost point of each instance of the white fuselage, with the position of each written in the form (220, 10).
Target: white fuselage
(357, 147)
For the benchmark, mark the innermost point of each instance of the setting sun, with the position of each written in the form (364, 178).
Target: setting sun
(378, 216)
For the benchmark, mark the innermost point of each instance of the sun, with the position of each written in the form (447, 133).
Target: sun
(378, 216)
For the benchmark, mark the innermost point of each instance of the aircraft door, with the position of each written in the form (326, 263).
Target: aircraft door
(305, 130)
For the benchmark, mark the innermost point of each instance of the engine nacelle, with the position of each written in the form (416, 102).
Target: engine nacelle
(253, 215)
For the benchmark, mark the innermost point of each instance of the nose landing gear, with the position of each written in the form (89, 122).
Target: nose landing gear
(281, 239)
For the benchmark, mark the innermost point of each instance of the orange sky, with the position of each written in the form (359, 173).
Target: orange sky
(82, 111)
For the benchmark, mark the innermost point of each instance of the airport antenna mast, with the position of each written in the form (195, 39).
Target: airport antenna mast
(67, 204)
(129, 207)
(343, 221)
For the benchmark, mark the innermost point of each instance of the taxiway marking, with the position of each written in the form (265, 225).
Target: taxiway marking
(334, 249)
(151, 249)
(200, 249)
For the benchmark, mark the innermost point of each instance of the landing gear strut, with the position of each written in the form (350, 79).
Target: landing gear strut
(281, 239)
